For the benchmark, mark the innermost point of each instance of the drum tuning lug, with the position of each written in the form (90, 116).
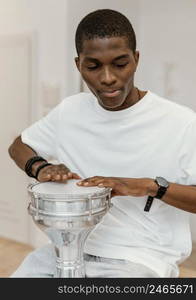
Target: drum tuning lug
(29, 210)
(90, 205)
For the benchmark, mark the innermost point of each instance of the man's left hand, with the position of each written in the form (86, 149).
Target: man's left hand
(121, 186)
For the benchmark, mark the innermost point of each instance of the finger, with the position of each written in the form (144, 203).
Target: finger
(91, 181)
(44, 177)
(96, 182)
(76, 176)
(73, 175)
(55, 176)
(69, 175)
(52, 173)
(86, 183)
(64, 177)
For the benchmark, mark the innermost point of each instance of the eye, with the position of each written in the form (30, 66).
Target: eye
(121, 65)
(92, 67)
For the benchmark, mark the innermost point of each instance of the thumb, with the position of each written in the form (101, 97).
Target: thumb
(76, 176)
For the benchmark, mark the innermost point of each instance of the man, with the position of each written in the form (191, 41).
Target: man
(137, 143)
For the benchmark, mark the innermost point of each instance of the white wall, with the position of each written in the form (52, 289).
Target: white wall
(15, 72)
(46, 19)
(167, 44)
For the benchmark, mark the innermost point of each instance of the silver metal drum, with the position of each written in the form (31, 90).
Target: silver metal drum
(67, 213)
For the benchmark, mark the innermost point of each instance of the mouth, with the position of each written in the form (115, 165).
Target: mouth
(111, 94)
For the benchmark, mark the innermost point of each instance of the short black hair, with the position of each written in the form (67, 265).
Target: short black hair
(104, 23)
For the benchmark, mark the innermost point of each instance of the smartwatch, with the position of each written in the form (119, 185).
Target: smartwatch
(163, 185)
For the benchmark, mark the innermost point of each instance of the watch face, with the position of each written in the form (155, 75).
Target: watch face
(162, 181)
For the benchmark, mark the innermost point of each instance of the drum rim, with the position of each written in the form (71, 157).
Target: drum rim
(105, 191)
(34, 211)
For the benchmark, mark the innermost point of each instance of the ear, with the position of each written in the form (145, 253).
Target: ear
(77, 61)
(137, 55)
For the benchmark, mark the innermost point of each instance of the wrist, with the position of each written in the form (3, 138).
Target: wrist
(152, 188)
(29, 164)
(36, 165)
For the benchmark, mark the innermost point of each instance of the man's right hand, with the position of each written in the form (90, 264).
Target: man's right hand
(21, 152)
(57, 173)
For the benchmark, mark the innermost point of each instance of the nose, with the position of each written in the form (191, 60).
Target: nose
(107, 77)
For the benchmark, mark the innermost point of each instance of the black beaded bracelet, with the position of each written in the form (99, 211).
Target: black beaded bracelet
(29, 164)
(41, 167)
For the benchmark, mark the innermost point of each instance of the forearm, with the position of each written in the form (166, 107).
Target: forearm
(178, 195)
(20, 153)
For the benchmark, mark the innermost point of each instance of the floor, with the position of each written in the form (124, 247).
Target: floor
(12, 253)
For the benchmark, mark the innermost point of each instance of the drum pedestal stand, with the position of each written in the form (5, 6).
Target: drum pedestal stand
(69, 247)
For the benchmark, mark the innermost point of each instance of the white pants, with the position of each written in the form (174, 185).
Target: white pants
(42, 263)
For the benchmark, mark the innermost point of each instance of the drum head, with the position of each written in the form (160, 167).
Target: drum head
(66, 190)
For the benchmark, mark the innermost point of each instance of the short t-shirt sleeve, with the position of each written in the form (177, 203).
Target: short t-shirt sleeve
(188, 158)
(42, 136)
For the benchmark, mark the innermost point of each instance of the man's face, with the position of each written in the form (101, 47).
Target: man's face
(107, 65)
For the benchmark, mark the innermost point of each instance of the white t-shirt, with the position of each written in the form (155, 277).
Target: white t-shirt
(154, 137)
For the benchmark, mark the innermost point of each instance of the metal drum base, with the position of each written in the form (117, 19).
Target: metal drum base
(69, 248)
(67, 269)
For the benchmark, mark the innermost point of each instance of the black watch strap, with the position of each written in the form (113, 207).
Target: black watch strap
(163, 184)
(148, 203)
(161, 191)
